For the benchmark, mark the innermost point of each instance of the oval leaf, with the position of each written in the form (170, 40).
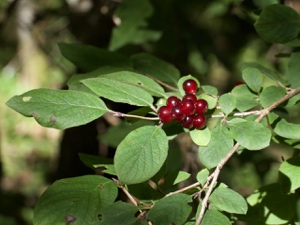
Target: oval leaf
(292, 74)
(227, 103)
(253, 78)
(201, 137)
(76, 200)
(271, 94)
(287, 130)
(228, 200)
(278, 24)
(291, 170)
(171, 210)
(214, 217)
(59, 109)
(118, 91)
(141, 154)
(218, 147)
(250, 134)
(245, 100)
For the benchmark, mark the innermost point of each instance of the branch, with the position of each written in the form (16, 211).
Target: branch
(118, 183)
(218, 169)
(119, 114)
(240, 114)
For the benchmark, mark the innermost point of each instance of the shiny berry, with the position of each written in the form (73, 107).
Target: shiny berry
(188, 107)
(164, 114)
(190, 97)
(177, 113)
(201, 106)
(199, 121)
(188, 122)
(173, 101)
(190, 86)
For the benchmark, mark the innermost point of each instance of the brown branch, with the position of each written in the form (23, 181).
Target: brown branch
(119, 114)
(218, 169)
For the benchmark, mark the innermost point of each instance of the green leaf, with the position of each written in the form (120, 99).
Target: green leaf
(253, 78)
(155, 67)
(278, 24)
(228, 200)
(214, 217)
(173, 209)
(202, 176)
(227, 103)
(287, 130)
(290, 169)
(78, 198)
(118, 91)
(92, 160)
(218, 147)
(182, 175)
(118, 213)
(201, 137)
(266, 71)
(138, 80)
(211, 100)
(141, 154)
(182, 80)
(59, 109)
(132, 15)
(245, 100)
(74, 83)
(210, 90)
(292, 74)
(89, 58)
(250, 134)
(271, 94)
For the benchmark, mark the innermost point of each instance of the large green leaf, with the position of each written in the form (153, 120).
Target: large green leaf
(118, 91)
(119, 213)
(228, 200)
(290, 170)
(77, 199)
(278, 24)
(245, 100)
(131, 30)
(89, 58)
(250, 134)
(292, 74)
(171, 210)
(141, 154)
(271, 94)
(201, 137)
(149, 65)
(253, 78)
(214, 217)
(59, 109)
(218, 147)
(287, 130)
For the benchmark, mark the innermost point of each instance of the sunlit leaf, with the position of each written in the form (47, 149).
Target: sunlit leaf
(227, 103)
(253, 78)
(201, 137)
(271, 94)
(290, 170)
(245, 100)
(287, 130)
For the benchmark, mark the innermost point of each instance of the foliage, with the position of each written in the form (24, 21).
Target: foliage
(142, 159)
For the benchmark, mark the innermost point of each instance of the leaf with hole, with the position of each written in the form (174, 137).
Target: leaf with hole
(77, 200)
(59, 109)
(141, 154)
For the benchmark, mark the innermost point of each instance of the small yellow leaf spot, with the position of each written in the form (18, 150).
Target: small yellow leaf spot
(26, 99)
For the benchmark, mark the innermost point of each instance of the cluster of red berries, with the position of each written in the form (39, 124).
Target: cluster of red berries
(189, 111)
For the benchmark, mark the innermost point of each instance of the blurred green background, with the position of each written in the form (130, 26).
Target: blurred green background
(208, 39)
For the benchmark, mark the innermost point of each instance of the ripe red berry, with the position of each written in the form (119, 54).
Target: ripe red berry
(190, 97)
(177, 113)
(164, 114)
(173, 101)
(190, 86)
(238, 83)
(201, 106)
(188, 122)
(188, 107)
(199, 121)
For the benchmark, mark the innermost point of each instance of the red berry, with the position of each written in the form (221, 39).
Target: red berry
(164, 114)
(238, 83)
(190, 86)
(199, 121)
(173, 101)
(201, 106)
(188, 122)
(188, 107)
(177, 113)
(190, 97)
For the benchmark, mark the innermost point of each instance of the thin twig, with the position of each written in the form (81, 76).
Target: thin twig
(240, 114)
(119, 114)
(162, 83)
(184, 189)
(120, 185)
(218, 169)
